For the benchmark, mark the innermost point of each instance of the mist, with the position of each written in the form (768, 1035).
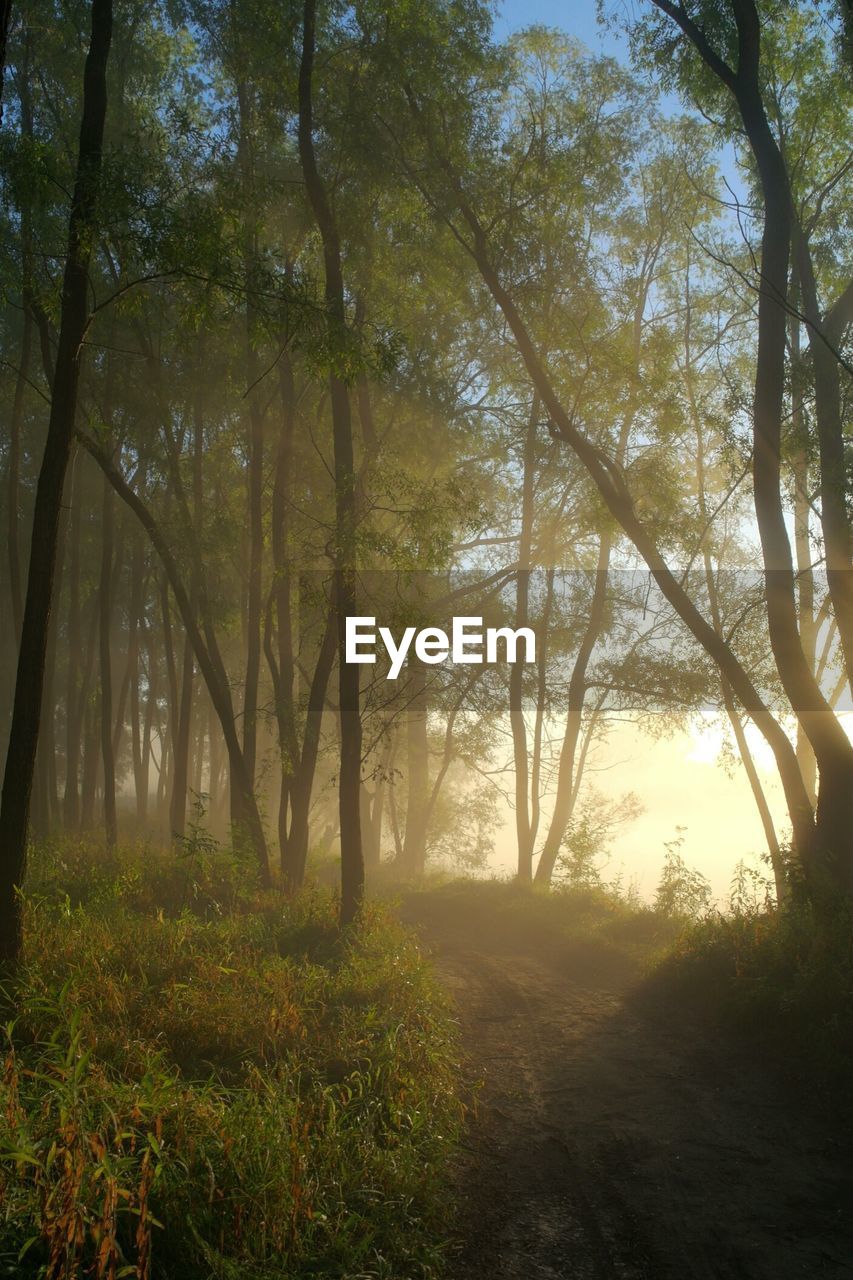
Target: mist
(426, 642)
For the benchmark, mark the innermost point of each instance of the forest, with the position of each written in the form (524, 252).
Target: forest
(522, 340)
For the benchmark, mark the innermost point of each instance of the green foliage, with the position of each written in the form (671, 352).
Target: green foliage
(781, 978)
(751, 891)
(197, 1094)
(682, 891)
(590, 832)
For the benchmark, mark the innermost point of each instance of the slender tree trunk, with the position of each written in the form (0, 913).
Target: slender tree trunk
(5, 23)
(295, 855)
(120, 718)
(91, 759)
(566, 789)
(86, 719)
(803, 548)
(106, 658)
(835, 520)
(393, 814)
(22, 378)
(73, 692)
(245, 100)
(523, 830)
(45, 801)
(137, 595)
(153, 685)
(542, 652)
(14, 473)
(213, 738)
(198, 762)
(244, 808)
(373, 808)
(417, 771)
(29, 684)
(163, 782)
(181, 747)
(283, 668)
(46, 775)
(831, 746)
(169, 655)
(352, 860)
(773, 848)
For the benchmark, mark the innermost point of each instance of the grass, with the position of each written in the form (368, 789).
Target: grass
(588, 932)
(782, 981)
(202, 1081)
(779, 983)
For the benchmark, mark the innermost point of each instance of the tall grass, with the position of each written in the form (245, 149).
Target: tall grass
(782, 979)
(202, 1081)
(586, 931)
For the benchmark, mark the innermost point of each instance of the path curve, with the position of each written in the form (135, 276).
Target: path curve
(612, 1143)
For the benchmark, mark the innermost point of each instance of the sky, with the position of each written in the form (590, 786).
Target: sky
(580, 19)
(577, 17)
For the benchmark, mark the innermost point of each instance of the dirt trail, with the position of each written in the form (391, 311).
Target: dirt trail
(610, 1144)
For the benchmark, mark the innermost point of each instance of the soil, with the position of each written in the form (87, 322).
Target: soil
(613, 1139)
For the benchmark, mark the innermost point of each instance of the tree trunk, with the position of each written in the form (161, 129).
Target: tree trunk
(255, 434)
(14, 473)
(5, 21)
(611, 485)
(90, 751)
(566, 788)
(73, 693)
(806, 597)
(523, 829)
(214, 783)
(45, 794)
(244, 808)
(23, 734)
(295, 854)
(417, 771)
(831, 863)
(283, 668)
(91, 760)
(373, 808)
(803, 549)
(349, 783)
(137, 596)
(181, 747)
(105, 652)
(22, 378)
(835, 523)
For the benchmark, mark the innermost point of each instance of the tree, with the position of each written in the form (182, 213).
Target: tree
(831, 746)
(24, 731)
(349, 783)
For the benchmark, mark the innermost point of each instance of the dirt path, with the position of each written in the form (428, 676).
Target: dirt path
(611, 1144)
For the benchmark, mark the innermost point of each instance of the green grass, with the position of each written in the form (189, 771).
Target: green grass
(202, 1081)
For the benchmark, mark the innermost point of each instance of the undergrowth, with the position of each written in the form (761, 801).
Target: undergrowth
(783, 980)
(203, 1081)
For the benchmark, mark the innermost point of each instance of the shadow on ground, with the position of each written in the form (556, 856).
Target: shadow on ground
(615, 1136)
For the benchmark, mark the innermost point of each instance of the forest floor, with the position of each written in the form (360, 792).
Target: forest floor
(614, 1137)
